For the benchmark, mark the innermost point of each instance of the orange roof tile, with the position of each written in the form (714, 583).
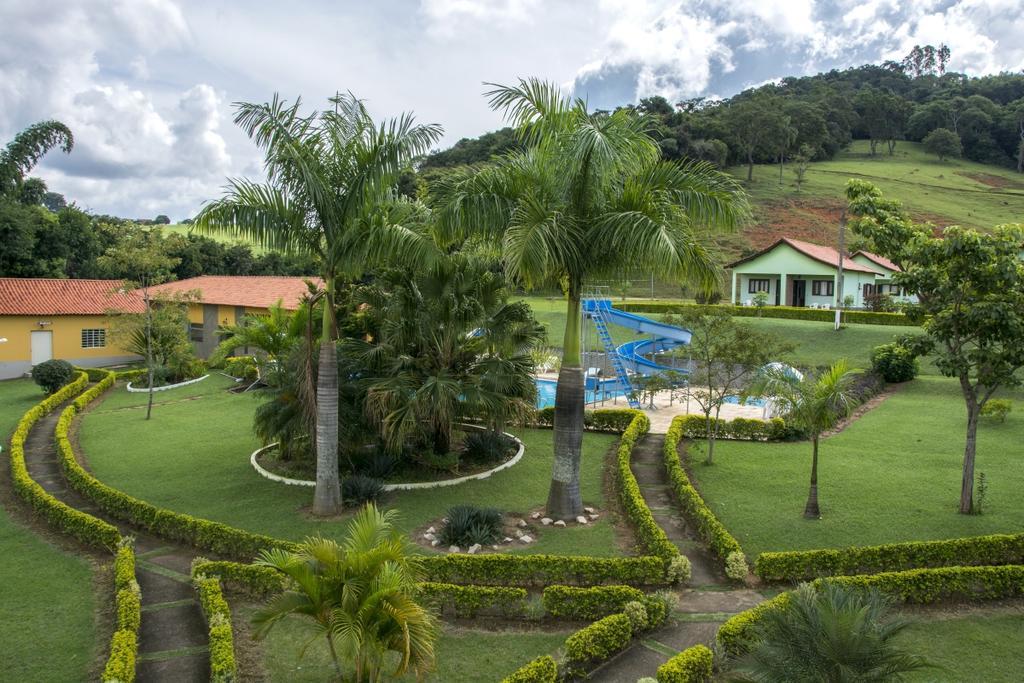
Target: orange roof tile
(251, 291)
(826, 255)
(880, 260)
(50, 296)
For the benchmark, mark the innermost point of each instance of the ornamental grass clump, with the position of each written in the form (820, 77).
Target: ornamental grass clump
(468, 525)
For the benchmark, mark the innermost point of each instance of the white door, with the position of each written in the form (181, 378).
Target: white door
(42, 346)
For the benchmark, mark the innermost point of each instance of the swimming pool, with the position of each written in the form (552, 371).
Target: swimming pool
(546, 395)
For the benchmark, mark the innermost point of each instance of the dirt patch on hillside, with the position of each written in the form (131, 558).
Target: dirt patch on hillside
(814, 220)
(995, 181)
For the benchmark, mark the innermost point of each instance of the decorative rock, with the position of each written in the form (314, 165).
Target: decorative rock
(594, 516)
(431, 530)
(526, 538)
(535, 515)
(589, 510)
(444, 520)
(494, 547)
(519, 533)
(546, 521)
(521, 524)
(560, 522)
(454, 549)
(428, 537)
(507, 539)
(474, 549)
(435, 543)
(581, 520)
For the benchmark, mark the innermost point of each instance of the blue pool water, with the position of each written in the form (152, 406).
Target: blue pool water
(546, 395)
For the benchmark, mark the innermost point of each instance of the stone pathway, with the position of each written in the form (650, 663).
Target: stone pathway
(703, 606)
(173, 637)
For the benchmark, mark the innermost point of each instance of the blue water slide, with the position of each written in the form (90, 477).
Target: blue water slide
(633, 354)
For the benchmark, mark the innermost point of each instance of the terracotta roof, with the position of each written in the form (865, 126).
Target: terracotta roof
(826, 255)
(880, 260)
(49, 296)
(253, 291)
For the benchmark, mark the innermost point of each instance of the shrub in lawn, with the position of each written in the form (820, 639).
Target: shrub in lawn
(51, 375)
(679, 569)
(736, 566)
(486, 446)
(359, 489)
(637, 614)
(468, 524)
(894, 362)
(997, 409)
(692, 665)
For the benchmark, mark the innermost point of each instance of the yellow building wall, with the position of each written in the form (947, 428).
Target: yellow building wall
(195, 313)
(67, 336)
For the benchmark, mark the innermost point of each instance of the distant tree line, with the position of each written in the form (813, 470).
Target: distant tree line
(813, 117)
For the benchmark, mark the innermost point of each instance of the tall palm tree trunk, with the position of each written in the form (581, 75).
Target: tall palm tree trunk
(564, 500)
(149, 351)
(811, 511)
(327, 495)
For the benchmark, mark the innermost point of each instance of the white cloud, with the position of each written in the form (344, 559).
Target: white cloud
(445, 17)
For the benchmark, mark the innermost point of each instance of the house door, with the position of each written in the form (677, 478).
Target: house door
(799, 292)
(42, 346)
(778, 290)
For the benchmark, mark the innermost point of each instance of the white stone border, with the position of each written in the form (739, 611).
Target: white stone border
(411, 486)
(140, 390)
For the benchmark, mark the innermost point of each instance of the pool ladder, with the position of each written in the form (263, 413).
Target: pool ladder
(597, 313)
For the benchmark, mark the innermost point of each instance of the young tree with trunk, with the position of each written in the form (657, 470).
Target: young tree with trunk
(727, 356)
(331, 193)
(970, 287)
(756, 124)
(943, 143)
(815, 404)
(588, 198)
(801, 162)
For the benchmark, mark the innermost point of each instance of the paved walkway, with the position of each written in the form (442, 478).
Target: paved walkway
(707, 602)
(173, 637)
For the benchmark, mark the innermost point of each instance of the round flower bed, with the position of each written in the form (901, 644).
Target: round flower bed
(165, 387)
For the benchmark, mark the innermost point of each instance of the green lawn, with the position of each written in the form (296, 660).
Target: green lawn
(981, 647)
(193, 457)
(949, 191)
(461, 654)
(47, 626)
(893, 475)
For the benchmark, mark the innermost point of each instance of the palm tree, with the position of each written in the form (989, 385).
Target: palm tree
(330, 193)
(359, 596)
(589, 197)
(829, 634)
(273, 335)
(815, 404)
(27, 148)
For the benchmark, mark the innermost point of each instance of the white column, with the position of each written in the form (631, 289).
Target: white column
(784, 289)
(735, 286)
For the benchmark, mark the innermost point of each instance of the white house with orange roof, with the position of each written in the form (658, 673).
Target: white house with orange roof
(797, 273)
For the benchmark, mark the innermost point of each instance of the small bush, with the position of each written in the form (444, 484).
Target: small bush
(359, 489)
(597, 643)
(468, 524)
(243, 367)
(486, 446)
(736, 566)
(51, 375)
(895, 363)
(997, 409)
(659, 605)
(692, 665)
(541, 670)
(637, 614)
(679, 569)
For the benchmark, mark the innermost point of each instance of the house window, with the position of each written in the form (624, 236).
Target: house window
(756, 285)
(869, 289)
(94, 338)
(195, 332)
(823, 287)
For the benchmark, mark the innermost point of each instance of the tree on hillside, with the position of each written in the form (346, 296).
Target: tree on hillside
(884, 116)
(943, 143)
(331, 194)
(801, 162)
(162, 219)
(589, 198)
(54, 201)
(27, 148)
(756, 124)
(727, 356)
(1015, 116)
(926, 60)
(971, 290)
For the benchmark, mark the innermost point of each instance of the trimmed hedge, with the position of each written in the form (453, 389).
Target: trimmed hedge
(596, 643)
(469, 601)
(737, 633)
(120, 667)
(739, 429)
(544, 570)
(541, 670)
(692, 665)
(252, 579)
(651, 536)
(612, 420)
(223, 667)
(711, 531)
(124, 645)
(786, 312)
(800, 565)
(566, 602)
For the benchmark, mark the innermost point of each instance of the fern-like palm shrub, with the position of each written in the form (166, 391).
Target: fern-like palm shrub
(468, 524)
(829, 634)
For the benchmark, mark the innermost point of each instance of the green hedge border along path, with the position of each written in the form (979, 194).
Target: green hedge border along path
(738, 429)
(692, 665)
(223, 667)
(784, 312)
(696, 511)
(124, 645)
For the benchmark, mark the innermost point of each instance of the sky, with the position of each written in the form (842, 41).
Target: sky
(147, 86)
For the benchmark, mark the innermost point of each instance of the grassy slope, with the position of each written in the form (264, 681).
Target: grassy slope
(944, 192)
(47, 626)
(893, 475)
(979, 647)
(212, 436)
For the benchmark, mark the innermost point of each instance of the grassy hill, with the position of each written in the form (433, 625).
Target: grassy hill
(952, 192)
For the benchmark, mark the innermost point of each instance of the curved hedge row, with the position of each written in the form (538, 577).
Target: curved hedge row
(694, 426)
(541, 670)
(124, 645)
(712, 531)
(596, 643)
(469, 601)
(692, 665)
(223, 667)
(785, 312)
(800, 565)
(567, 602)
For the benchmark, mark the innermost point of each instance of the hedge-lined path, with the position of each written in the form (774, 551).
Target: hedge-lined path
(709, 601)
(173, 637)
